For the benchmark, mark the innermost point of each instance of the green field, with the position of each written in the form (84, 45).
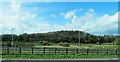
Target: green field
(76, 56)
(71, 45)
(82, 46)
(40, 55)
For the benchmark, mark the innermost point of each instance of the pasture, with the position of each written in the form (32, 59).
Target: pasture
(38, 51)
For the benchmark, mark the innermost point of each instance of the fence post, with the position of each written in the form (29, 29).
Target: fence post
(7, 49)
(66, 50)
(43, 50)
(97, 50)
(87, 50)
(19, 50)
(77, 51)
(106, 51)
(55, 50)
(116, 51)
(32, 51)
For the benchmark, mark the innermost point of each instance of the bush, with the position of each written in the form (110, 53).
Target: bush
(90, 45)
(23, 44)
(6, 44)
(79, 44)
(65, 44)
(46, 43)
(61, 43)
(98, 43)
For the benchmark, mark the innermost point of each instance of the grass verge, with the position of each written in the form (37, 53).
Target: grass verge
(57, 56)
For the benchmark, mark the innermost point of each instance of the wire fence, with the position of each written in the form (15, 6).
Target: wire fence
(46, 50)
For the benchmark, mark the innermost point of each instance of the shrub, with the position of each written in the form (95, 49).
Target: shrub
(79, 44)
(23, 44)
(65, 44)
(61, 43)
(46, 43)
(90, 45)
(98, 43)
(6, 44)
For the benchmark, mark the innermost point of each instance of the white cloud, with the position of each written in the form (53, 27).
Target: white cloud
(74, 21)
(10, 21)
(78, 21)
(70, 14)
(21, 21)
(15, 6)
(27, 15)
(88, 22)
(103, 24)
(28, 22)
(93, 23)
(91, 10)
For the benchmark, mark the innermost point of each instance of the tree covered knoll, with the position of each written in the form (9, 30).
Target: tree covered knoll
(60, 36)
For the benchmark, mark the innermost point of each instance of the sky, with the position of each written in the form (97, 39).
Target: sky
(39, 17)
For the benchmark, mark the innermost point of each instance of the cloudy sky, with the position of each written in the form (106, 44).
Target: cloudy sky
(36, 17)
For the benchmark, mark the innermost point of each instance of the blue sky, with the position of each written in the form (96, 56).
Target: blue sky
(32, 17)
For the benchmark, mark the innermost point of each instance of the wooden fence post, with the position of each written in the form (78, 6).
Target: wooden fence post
(77, 51)
(66, 50)
(32, 51)
(19, 50)
(116, 51)
(7, 49)
(43, 50)
(87, 50)
(55, 50)
(106, 51)
(97, 50)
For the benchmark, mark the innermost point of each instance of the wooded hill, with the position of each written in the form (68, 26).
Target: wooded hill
(60, 36)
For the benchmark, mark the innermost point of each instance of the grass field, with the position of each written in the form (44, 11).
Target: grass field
(76, 56)
(82, 46)
(28, 54)
(72, 45)
(52, 55)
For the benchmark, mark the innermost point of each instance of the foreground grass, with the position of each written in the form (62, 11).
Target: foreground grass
(57, 56)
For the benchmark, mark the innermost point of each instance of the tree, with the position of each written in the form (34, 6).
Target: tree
(60, 36)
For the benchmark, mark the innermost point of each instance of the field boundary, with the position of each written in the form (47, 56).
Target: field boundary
(46, 50)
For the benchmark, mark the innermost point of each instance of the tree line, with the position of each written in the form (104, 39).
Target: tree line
(60, 36)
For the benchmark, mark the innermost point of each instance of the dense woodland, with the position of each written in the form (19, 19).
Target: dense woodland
(60, 36)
